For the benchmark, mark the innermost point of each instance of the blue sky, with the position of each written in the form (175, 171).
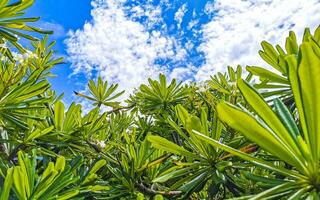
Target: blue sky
(126, 41)
(62, 16)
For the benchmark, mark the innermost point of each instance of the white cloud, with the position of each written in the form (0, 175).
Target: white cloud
(192, 23)
(234, 35)
(189, 45)
(178, 16)
(127, 44)
(119, 48)
(183, 74)
(152, 14)
(209, 7)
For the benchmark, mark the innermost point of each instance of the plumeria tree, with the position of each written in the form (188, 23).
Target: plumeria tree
(234, 136)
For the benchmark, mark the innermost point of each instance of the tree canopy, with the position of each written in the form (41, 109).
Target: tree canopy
(238, 135)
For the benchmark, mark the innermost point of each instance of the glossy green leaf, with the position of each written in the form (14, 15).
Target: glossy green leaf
(7, 185)
(166, 145)
(309, 84)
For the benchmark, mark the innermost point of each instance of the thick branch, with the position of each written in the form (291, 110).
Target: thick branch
(150, 191)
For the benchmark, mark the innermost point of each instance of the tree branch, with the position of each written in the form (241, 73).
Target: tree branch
(150, 191)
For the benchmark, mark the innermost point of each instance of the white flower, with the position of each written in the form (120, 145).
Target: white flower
(18, 57)
(3, 58)
(101, 144)
(202, 87)
(4, 45)
(29, 54)
(233, 84)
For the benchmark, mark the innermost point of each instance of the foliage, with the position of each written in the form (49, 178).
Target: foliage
(276, 131)
(228, 137)
(57, 181)
(275, 83)
(158, 97)
(12, 25)
(102, 94)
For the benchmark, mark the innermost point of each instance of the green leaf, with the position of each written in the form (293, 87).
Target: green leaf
(158, 197)
(249, 158)
(277, 190)
(262, 179)
(60, 164)
(291, 43)
(59, 115)
(255, 132)
(279, 131)
(309, 84)
(265, 74)
(68, 195)
(174, 172)
(98, 165)
(286, 118)
(7, 184)
(166, 145)
(19, 181)
(3, 3)
(294, 83)
(194, 182)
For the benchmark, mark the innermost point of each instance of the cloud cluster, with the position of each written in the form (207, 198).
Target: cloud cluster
(118, 48)
(178, 16)
(130, 40)
(237, 28)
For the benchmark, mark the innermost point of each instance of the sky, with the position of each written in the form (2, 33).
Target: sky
(127, 41)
